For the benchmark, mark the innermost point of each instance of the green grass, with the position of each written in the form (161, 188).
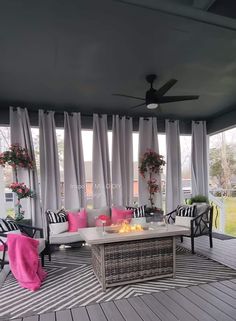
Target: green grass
(230, 212)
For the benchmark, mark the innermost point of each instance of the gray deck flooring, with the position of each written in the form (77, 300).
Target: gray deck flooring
(207, 302)
(222, 251)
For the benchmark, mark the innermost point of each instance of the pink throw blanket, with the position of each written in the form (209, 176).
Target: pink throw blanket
(24, 261)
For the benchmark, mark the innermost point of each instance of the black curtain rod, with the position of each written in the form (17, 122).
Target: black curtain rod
(91, 115)
(70, 113)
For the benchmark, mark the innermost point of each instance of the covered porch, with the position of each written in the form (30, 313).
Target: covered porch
(117, 112)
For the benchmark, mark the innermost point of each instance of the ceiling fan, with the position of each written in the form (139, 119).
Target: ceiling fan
(155, 97)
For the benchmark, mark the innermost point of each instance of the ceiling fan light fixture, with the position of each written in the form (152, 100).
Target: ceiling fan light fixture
(152, 105)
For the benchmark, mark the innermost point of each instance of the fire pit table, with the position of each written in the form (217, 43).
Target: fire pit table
(123, 258)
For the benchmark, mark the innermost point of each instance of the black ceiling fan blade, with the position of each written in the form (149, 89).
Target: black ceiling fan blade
(139, 105)
(161, 91)
(171, 99)
(127, 96)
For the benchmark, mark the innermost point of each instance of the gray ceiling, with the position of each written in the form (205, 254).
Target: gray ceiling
(74, 54)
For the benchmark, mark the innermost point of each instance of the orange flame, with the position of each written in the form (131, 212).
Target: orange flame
(126, 228)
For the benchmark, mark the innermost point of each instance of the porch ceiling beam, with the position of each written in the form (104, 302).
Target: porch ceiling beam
(188, 12)
(203, 4)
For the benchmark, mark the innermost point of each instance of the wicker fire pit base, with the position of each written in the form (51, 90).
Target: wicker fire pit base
(133, 261)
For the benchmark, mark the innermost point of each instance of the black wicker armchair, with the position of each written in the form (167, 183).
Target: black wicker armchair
(201, 224)
(31, 231)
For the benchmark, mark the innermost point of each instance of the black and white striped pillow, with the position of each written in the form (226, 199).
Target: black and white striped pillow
(56, 217)
(8, 225)
(186, 210)
(138, 211)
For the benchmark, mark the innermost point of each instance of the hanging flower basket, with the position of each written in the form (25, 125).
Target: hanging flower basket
(151, 163)
(21, 190)
(16, 157)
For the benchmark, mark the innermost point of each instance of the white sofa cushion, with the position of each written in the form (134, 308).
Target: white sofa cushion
(58, 228)
(65, 238)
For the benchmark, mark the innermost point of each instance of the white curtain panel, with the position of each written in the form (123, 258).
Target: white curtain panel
(49, 162)
(101, 164)
(122, 160)
(21, 134)
(74, 172)
(148, 139)
(174, 194)
(199, 170)
(2, 195)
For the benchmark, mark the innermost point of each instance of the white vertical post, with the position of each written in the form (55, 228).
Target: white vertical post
(2, 194)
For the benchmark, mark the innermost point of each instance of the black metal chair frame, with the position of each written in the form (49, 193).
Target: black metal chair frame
(25, 230)
(199, 226)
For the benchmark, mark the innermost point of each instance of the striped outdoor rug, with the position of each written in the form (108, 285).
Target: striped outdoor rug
(71, 283)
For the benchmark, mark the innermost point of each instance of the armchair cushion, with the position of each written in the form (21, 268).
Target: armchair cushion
(65, 238)
(186, 210)
(7, 225)
(183, 221)
(202, 208)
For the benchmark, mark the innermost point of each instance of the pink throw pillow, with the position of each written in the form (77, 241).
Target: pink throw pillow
(82, 219)
(118, 215)
(77, 220)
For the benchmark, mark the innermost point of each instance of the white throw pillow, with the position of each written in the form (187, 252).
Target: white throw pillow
(183, 221)
(58, 228)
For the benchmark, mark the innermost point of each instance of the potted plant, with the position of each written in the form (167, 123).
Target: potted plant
(198, 199)
(16, 157)
(151, 164)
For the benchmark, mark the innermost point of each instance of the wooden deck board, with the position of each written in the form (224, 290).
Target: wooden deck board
(158, 308)
(208, 305)
(33, 318)
(48, 317)
(95, 313)
(143, 310)
(127, 311)
(64, 315)
(229, 284)
(219, 304)
(218, 294)
(188, 305)
(111, 311)
(175, 308)
(79, 314)
(225, 289)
